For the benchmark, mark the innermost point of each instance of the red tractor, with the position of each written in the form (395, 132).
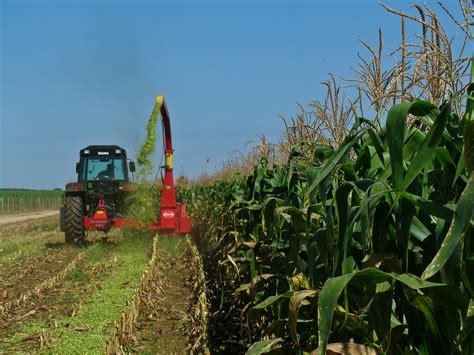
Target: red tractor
(98, 200)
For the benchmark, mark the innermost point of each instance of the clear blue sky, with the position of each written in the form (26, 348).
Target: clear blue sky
(78, 73)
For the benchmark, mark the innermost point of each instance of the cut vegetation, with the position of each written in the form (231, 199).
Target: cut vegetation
(58, 298)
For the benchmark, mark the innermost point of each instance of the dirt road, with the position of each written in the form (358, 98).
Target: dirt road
(23, 217)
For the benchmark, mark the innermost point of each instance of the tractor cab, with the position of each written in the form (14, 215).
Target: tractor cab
(103, 163)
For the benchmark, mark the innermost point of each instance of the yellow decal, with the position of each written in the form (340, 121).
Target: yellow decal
(169, 161)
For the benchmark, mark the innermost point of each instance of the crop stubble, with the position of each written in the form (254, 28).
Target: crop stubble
(48, 295)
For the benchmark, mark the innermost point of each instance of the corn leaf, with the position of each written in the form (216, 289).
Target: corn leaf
(333, 287)
(295, 304)
(428, 147)
(396, 128)
(334, 159)
(461, 221)
(263, 346)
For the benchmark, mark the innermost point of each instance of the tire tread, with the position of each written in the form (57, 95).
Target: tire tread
(73, 220)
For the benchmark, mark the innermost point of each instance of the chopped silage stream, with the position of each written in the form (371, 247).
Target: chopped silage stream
(131, 292)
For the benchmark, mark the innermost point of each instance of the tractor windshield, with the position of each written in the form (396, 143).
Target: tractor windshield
(104, 168)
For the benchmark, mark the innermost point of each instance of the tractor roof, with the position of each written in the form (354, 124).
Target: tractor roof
(110, 149)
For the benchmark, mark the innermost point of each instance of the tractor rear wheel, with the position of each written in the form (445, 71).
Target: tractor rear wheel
(73, 220)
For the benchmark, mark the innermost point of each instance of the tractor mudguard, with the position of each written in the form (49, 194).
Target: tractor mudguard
(75, 187)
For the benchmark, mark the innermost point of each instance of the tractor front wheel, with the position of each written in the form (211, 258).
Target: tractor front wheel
(73, 220)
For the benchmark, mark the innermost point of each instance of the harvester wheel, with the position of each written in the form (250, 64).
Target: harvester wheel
(73, 220)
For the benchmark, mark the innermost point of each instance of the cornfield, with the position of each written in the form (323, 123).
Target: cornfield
(373, 246)
(362, 240)
(13, 204)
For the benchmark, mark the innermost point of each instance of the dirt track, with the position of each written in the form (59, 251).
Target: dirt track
(23, 217)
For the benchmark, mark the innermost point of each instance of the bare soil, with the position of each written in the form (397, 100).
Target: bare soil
(163, 324)
(21, 277)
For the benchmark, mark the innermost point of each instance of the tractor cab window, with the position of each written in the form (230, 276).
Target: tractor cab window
(100, 168)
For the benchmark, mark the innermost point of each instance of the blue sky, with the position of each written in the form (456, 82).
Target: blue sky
(78, 73)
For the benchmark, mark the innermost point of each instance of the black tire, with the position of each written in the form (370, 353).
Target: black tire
(73, 220)
(61, 219)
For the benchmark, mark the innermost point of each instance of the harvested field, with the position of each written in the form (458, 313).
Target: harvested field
(58, 298)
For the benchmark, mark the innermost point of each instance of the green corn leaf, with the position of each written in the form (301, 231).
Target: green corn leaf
(449, 296)
(255, 280)
(426, 150)
(405, 216)
(378, 144)
(461, 221)
(334, 159)
(469, 141)
(264, 346)
(469, 146)
(428, 206)
(333, 287)
(288, 213)
(459, 169)
(396, 128)
(322, 152)
(349, 172)
(327, 303)
(469, 114)
(413, 142)
(271, 300)
(466, 337)
(419, 230)
(342, 208)
(370, 200)
(415, 282)
(268, 212)
(444, 158)
(425, 305)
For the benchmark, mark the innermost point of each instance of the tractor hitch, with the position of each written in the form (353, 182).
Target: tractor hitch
(101, 220)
